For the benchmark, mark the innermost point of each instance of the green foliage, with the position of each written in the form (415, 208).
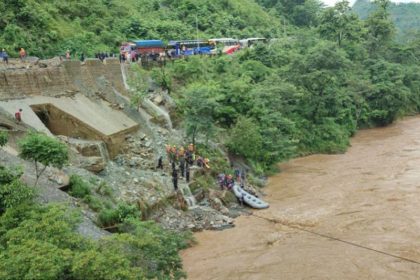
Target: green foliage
(34, 259)
(406, 17)
(40, 242)
(4, 137)
(245, 139)
(162, 78)
(12, 191)
(139, 85)
(104, 189)
(94, 202)
(380, 27)
(42, 149)
(111, 217)
(13, 194)
(199, 106)
(78, 187)
(340, 24)
(46, 28)
(8, 175)
(154, 247)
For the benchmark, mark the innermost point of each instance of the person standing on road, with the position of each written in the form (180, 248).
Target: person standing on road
(18, 116)
(5, 56)
(22, 54)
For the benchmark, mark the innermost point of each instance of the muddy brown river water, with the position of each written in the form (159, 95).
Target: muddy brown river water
(369, 196)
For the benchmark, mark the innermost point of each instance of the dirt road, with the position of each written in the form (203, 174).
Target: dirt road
(369, 198)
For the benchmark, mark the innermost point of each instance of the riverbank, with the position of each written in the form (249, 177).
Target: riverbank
(368, 196)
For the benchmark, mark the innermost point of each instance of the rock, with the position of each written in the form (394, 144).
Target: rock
(61, 178)
(42, 65)
(158, 100)
(93, 164)
(133, 163)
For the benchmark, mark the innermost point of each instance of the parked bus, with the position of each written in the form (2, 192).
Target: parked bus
(227, 45)
(249, 42)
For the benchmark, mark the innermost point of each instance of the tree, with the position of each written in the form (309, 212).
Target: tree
(4, 137)
(162, 77)
(199, 107)
(245, 138)
(44, 150)
(340, 24)
(380, 27)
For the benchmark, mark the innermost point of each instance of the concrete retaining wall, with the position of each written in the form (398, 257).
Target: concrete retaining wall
(89, 77)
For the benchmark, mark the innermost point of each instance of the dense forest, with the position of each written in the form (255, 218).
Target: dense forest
(326, 74)
(406, 17)
(47, 28)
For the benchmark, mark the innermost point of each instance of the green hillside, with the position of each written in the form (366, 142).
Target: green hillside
(49, 27)
(328, 74)
(406, 16)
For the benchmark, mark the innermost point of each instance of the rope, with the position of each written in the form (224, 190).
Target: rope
(336, 239)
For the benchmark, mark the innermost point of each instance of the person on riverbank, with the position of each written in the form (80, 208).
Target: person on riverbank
(5, 56)
(160, 163)
(182, 165)
(221, 180)
(68, 56)
(187, 173)
(241, 199)
(237, 173)
(173, 154)
(175, 178)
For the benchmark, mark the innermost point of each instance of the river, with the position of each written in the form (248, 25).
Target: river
(367, 199)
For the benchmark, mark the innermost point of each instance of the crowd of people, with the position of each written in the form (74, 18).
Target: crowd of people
(180, 160)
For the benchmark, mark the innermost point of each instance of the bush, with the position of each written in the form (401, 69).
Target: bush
(104, 189)
(78, 187)
(94, 203)
(13, 194)
(8, 175)
(34, 259)
(4, 137)
(245, 139)
(110, 217)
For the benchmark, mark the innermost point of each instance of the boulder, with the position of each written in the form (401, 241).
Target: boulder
(59, 177)
(158, 100)
(93, 164)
